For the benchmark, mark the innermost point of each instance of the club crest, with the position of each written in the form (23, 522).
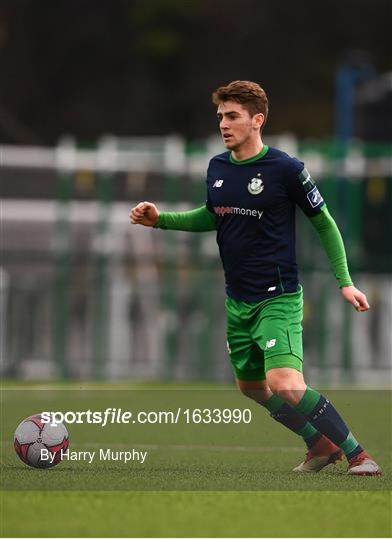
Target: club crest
(255, 186)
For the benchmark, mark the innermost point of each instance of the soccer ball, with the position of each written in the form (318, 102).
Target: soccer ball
(32, 436)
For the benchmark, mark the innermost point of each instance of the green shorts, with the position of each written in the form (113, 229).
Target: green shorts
(259, 333)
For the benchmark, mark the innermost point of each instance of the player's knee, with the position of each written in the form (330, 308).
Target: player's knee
(288, 388)
(260, 396)
(257, 390)
(280, 386)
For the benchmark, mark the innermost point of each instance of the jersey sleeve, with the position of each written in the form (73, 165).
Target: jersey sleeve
(197, 220)
(303, 190)
(332, 241)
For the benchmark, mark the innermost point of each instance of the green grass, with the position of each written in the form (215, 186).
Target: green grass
(190, 514)
(198, 480)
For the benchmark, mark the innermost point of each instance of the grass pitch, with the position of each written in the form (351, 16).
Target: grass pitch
(198, 480)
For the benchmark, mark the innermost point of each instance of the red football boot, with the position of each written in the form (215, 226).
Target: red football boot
(323, 453)
(363, 465)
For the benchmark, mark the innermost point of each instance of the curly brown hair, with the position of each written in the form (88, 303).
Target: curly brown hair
(248, 93)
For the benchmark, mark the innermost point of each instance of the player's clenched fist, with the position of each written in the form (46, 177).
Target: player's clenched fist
(145, 213)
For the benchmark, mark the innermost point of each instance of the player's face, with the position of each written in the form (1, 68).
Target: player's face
(237, 126)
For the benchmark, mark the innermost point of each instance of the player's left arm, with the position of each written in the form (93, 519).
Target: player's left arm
(332, 242)
(303, 191)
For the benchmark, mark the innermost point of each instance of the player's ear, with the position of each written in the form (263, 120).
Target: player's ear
(258, 120)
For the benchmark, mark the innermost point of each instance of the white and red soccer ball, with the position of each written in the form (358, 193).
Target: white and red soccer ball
(33, 435)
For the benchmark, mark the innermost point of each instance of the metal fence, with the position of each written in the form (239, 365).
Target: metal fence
(86, 295)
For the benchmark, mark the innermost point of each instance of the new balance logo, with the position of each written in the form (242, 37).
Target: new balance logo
(270, 343)
(322, 410)
(218, 183)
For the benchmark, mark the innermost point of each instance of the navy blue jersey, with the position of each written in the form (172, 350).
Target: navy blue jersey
(254, 202)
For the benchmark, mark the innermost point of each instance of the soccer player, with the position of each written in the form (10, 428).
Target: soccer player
(252, 194)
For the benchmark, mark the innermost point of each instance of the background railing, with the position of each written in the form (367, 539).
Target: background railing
(85, 294)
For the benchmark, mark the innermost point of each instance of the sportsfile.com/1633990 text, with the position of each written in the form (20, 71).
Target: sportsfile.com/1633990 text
(177, 416)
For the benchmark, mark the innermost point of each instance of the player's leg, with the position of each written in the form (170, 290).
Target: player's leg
(248, 364)
(289, 384)
(281, 331)
(279, 410)
(278, 331)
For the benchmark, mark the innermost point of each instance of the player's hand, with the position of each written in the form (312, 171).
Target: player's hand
(355, 297)
(145, 213)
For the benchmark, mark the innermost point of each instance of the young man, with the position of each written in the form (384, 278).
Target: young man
(252, 193)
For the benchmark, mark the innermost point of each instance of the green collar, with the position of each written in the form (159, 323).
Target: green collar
(261, 154)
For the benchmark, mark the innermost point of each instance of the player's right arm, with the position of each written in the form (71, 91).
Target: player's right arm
(197, 220)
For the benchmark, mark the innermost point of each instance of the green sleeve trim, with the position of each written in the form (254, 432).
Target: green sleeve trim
(332, 242)
(197, 220)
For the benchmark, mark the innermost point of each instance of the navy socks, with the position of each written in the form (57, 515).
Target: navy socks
(324, 417)
(295, 421)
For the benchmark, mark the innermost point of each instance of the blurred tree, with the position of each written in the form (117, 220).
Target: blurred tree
(141, 67)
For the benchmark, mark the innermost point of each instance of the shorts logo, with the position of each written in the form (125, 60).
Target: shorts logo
(218, 183)
(270, 343)
(255, 186)
(314, 197)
